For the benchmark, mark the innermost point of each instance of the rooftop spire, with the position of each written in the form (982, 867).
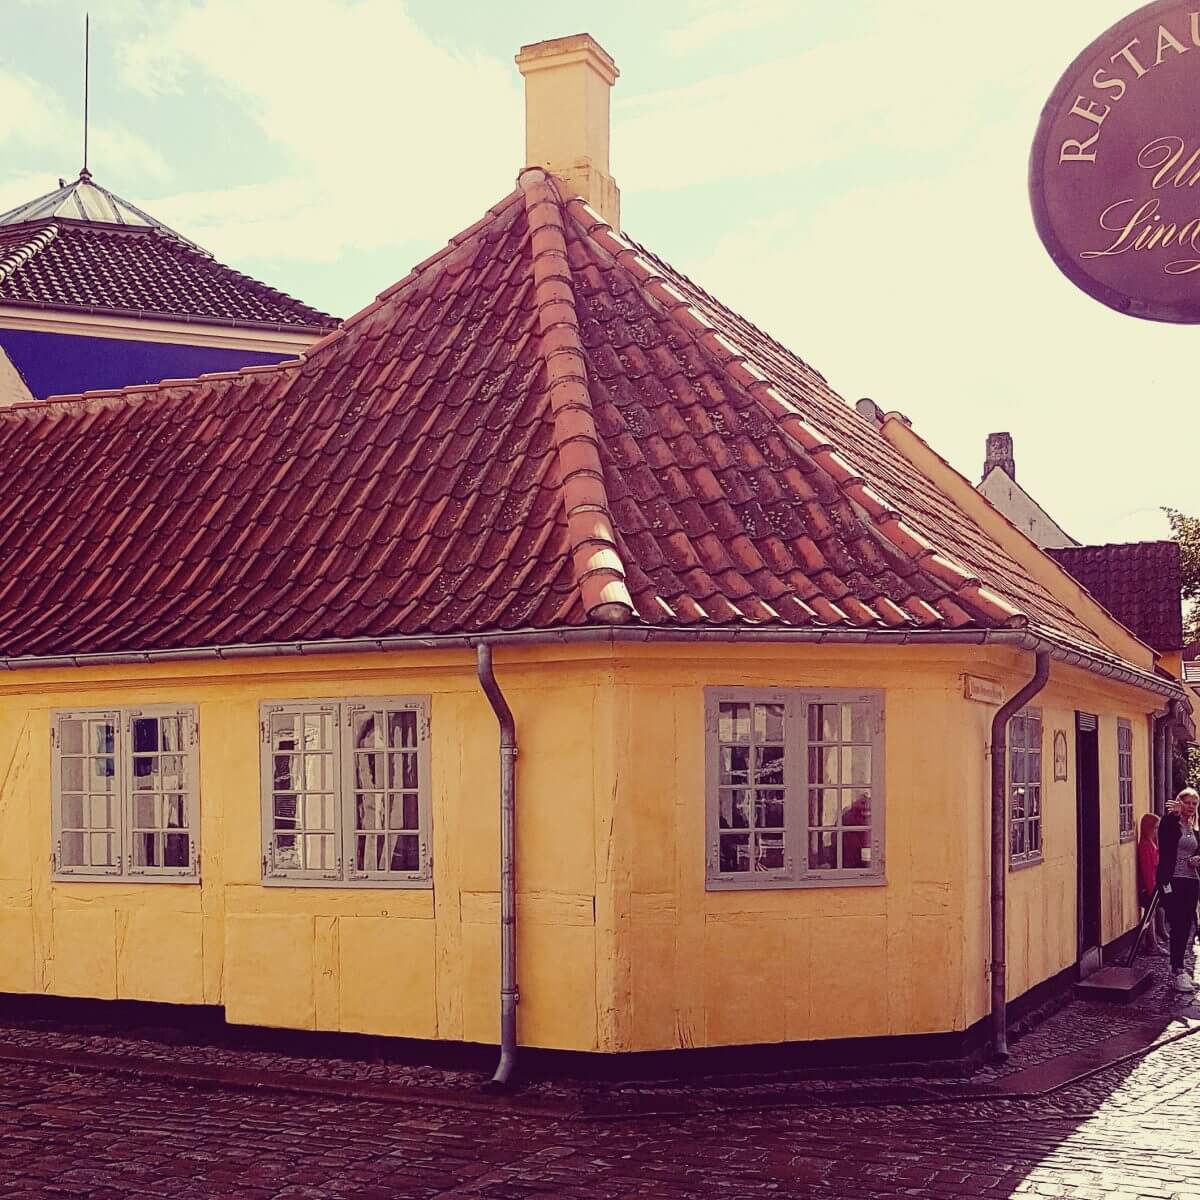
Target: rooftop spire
(87, 71)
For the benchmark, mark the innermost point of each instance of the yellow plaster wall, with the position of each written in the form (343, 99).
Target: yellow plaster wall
(621, 946)
(706, 968)
(407, 962)
(1042, 898)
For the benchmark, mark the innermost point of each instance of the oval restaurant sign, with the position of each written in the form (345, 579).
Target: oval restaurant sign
(1115, 171)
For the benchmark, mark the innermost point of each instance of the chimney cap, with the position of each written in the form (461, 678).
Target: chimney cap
(576, 47)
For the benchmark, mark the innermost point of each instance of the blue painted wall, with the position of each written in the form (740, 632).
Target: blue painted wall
(56, 364)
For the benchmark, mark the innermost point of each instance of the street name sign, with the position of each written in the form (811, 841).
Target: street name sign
(1114, 175)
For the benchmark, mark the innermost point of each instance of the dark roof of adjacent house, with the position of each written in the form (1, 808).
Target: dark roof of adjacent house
(543, 426)
(1138, 582)
(83, 248)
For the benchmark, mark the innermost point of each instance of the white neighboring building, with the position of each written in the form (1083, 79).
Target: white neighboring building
(1000, 486)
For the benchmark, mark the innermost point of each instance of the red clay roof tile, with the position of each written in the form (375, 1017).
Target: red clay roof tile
(542, 425)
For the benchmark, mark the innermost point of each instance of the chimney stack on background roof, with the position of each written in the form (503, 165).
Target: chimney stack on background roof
(1000, 454)
(567, 86)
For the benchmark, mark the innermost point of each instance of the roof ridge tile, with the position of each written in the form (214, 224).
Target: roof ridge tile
(599, 570)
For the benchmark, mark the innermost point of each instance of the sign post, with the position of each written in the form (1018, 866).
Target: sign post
(1114, 175)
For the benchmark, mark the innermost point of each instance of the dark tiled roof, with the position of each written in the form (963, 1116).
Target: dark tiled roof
(541, 426)
(1138, 582)
(133, 270)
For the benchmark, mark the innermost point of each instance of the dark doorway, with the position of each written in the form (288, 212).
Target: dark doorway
(1087, 806)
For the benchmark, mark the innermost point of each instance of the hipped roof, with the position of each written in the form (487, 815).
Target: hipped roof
(544, 426)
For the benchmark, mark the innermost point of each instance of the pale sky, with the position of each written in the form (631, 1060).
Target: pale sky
(850, 175)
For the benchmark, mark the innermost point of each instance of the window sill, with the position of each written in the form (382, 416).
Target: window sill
(792, 885)
(354, 885)
(1127, 837)
(1025, 863)
(134, 880)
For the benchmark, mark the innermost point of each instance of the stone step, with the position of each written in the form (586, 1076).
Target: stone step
(1116, 984)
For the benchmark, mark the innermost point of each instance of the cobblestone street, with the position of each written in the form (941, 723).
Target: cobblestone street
(1125, 1130)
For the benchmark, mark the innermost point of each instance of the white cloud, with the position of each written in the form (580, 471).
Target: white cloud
(716, 20)
(391, 136)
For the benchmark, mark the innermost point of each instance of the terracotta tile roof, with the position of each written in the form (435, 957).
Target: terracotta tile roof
(1138, 582)
(542, 426)
(136, 271)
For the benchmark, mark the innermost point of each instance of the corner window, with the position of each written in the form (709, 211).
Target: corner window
(125, 794)
(794, 782)
(345, 787)
(1025, 787)
(1125, 779)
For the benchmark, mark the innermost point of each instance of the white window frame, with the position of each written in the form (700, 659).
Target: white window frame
(124, 870)
(344, 831)
(1125, 824)
(795, 872)
(1032, 759)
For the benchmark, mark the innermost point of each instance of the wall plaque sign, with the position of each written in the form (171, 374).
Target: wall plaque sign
(986, 691)
(1060, 756)
(1115, 172)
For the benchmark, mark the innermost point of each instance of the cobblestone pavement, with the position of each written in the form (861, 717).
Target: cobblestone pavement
(1127, 1131)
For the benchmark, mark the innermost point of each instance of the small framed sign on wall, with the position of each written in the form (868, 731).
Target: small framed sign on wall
(1060, 756)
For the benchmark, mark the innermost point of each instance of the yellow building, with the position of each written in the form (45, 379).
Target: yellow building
(262, 632)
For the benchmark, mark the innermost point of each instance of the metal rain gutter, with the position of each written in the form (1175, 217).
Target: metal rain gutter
(998, 752)
(1017, 639)
(509, 995)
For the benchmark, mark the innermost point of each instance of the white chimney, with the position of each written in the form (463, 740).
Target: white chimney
(567, 85)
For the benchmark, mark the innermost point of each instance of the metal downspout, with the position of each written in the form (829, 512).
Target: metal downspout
(999, 755)
(509, 995)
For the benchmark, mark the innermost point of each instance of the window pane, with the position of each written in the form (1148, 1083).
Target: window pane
(1033, 769)
(768, 765)
(856, 849)
(768, 809)
(145, 850)
(72, 812)
(404, 812)
(733, 722)
(103, 736)
(367, 732)
(768, 722)
(170, 733)
(735, 765)
(318, 772)
(823, 765)
(102, 776)
(145, 771)
(856, 764)
(824, 805)
(857, 723)
(319, 852)
(175, 812)
(287, 772)
(171, 770)
(283, 731)
(402, 729)
(823, 722)
(318, 811)
(71, 774)
(100, 812)
(287, 851)
(318, 731)
(71, 853)
(822, 851)
(100, 850)
(1017, 766)
(145, 735)
(368, 771)
(145, 812)
(369, 810)
(735, 852)
(734, 809)
(857, 810)
(770, 855)
(177, 852)
(70, 736)
(285, 811)
(406, 853)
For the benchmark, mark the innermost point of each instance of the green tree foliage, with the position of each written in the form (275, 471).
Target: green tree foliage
(1186, 531)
